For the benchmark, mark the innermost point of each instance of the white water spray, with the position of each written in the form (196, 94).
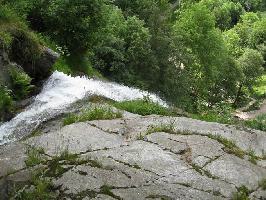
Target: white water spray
(59, 92)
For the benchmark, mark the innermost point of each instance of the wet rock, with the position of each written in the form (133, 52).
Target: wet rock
(41, 69)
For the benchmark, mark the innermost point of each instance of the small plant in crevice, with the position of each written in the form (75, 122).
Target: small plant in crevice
(230, 146)
(167, 128)
(262, 184)
(55, 168)
(241, 194)
(97, 113)
(34, 156)
(252, 156)
(107, 190)
(39, 187)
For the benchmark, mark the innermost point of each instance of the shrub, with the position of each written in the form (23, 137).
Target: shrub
(257, 123)
(92, 114)
(143, 107)
(5, 102)
(220, 113)
(20, 83)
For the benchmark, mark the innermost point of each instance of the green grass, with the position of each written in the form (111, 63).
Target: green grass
(258, 123)
(62, 66)
(241, 194)
(143, 107)
(34, 156)
(40, 188)
(167, 128)
(97, 113)
(221, 114)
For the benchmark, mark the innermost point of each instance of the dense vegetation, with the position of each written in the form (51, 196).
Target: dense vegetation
(199, 55)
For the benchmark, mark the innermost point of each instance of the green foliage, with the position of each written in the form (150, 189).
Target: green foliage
(257, 123)
(220, 113)
(143, 107)
(5, 40)
(175, 49)
(62, 66)
(252, 157)
(226, 12)
(262, 184)
(21, 83)
(260, 87)
(6, 102)
(42, 188)
(34, 157)
(167, 128)
(74, 29)
(97, 113)
(206, 56)
(242, 194)
(23, 45)
(251, 64)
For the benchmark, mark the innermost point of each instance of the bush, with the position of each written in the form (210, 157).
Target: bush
(100, 113)
(221, 114)
(143, 107)
(257, 123)
(20, 83)
(5, 102)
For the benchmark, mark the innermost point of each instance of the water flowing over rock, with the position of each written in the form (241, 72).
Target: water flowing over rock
(128, 158)
(59, 92)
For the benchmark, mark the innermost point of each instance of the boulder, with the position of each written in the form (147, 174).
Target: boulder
(41, 69)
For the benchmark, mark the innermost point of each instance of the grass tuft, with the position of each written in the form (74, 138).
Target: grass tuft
(241, 194)
(144, 107)
(34, 156)
(100, 113)
(230, 146)
(262, 184)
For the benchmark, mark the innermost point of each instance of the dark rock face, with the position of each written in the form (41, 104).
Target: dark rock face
(41, 69)
(4, 62)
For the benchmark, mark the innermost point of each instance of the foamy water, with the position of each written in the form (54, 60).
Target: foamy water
(59, 92)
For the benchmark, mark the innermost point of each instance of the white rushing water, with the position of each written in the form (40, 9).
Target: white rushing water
(58, 93)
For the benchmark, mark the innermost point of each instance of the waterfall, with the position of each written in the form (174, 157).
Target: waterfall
(58, 93)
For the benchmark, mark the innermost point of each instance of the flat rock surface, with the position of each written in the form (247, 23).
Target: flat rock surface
(124, 159)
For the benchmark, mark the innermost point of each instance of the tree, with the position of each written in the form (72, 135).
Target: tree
(208, 57)
(226, 12)
(233, 42)
(76, 28)
(251, 65)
